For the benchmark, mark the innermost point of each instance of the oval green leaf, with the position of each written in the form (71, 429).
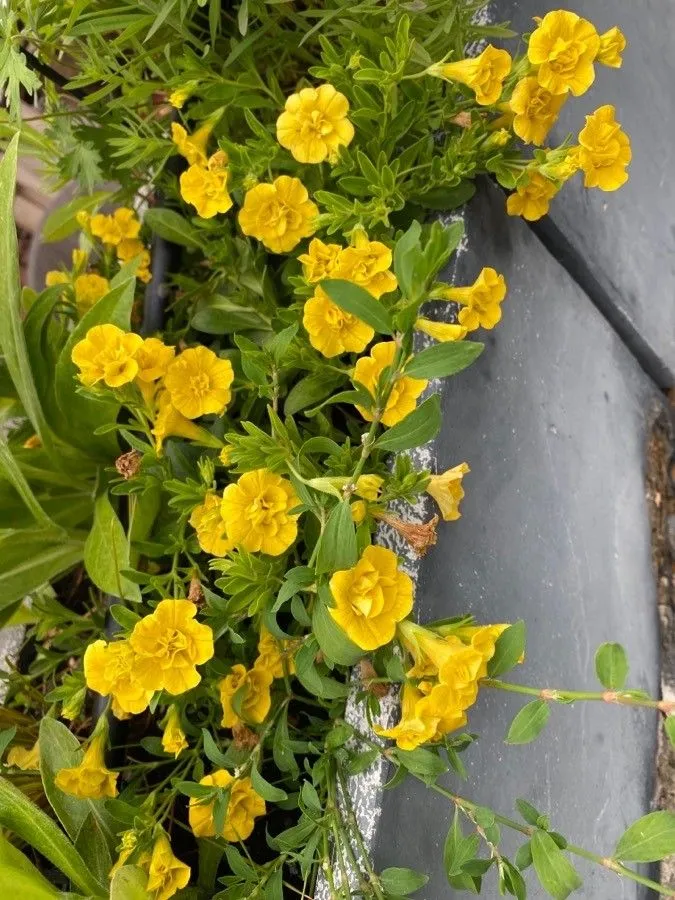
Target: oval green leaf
(529, 723)
(357, 301)
(442, 360)
(611, 666)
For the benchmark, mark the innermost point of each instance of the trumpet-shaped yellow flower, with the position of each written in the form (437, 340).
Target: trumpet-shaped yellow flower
(367, 263)
(484, 74)
(90, 779)
(331, 330)
(480, 301)
(444, 706)
(207, 521)
(447, 491)
(371, 598)
(123, 224)
(26, 758)
(89, 288)
(604, 151)
(153, 358)
(441, 331)
(129, 248)
(109, 669)
(256, 699)
(369, 487)
(314, 124)
(274, 656)
(192, 146)
(199, 382)
(612, 45)
(483, 639)
(320, 261)
(205, 186)
(256, 510)
(359, 510)
(403, 397)
(446, 659)
(107, 354)
(563, 47)
(173, 736)
(244, 807)
(411, 730)
(278, 214)
(166, 873)
(171, 423)
(169, 645)
(531, 201)
(536, 110)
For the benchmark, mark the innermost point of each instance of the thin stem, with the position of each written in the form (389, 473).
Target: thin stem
(356, 831)
(623, 698)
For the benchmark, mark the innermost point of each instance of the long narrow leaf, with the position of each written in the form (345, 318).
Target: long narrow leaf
(10, 469)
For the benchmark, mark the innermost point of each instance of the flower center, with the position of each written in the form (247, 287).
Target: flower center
(199, 384)
(173, 643)
(564, 57)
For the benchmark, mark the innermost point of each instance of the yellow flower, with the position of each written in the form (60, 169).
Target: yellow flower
(127, 845)
(243, 808)
(274, 655)
(83, 219)
(278, 214)
(170, 423)
(483, 639)
(367, 264)
(123, 224)
(368, 487)
(612, 45)
(563, 47)
(256, 510)
(604, 151)
(178, 97)
(442, 659)
(199, 382)
(444, 706)
(447, 491)
(481, 301)
(536, 110)
(24, 757)
(209, 524)
(371, 598)
(107, 354)
(173, 736)
(320, 261)
(256, 699)
(441, 331)
(484, 74)
(110, 669)
(205, 186)
(88, 289)
(79, 258)
(169, 645)
(531, 201)
(564, 164)
(331, 330)
(53, 277)
(153, 358)
(359, 510)
(403, 397)
(411, 730)
(127, 249)
(192, 147)
(89, 780)
(314, 124)
(225, 455)
(166, 873)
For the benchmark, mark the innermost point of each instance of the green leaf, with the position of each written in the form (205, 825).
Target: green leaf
(401, 882)
(611, 666)
(6, 737)
(406, 252)
(106, 553)
(9, 468)
(418, 427)
(27, 821)
(332, 640)
(458, 849)
(310, 390)
(129, 883)
(444, 199)
(338, 548)
(170, 225)
(20, 878)
(509, 648)
(528, 812)
(529, 723)
(425, 763)
(357, 301)
(266, 790)
(222, 315)
(15, 75)
(30, 558)
(555, 872)
(650, 839)
(308, 674)
(62, 222)
(444, 359)
(124, 616)
(94, 846)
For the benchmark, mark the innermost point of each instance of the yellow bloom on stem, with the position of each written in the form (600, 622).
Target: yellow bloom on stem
(612, 45)
(107, 354)
(192, 146)
(90, 779)
(444, 706)
(403, 397)
(371, 597)
(256, 510)
(320, 261)
(153, 358)
(173, 736)
(242, 810)
(531, 201)
(89, 288)
(199, 382)
(484, 74)
(171, 423)
(447, 491)
(536, 110)
(54, 277)
(412, 730)
(314, 124)
(127, 249)
(256, 699)
(369, 487)
(483, 639)
(278, 214)
(166, 873)
(123, 224)
(359, 510)
(110, 669)
(225, 455)
(274, 655)
(205, 186)
(207, 521)
(178, 97)
(127, 845)
(441, 331)
(563, 47)
(169, 645)
(331, 329)
(367, 263)
(604, 151)
(480, 301)
(447, 659)
(26, 758)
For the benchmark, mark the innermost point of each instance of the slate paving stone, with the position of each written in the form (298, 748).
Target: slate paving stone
(552, 420)
(626, 239)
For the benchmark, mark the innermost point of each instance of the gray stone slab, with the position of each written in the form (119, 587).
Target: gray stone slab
(625, 240)
(552, 420)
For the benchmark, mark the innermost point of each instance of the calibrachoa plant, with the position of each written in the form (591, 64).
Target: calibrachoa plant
(242, 460)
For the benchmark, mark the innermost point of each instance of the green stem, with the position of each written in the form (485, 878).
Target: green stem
(356, 831)
(623, 698)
